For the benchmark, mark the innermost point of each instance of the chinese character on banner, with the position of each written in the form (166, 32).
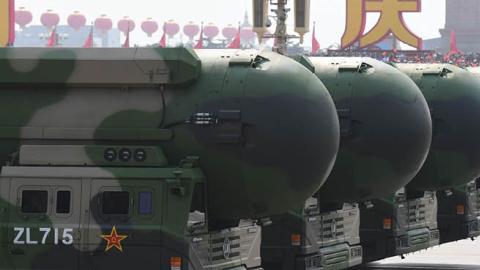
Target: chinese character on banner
(390, 22)
(7, 22)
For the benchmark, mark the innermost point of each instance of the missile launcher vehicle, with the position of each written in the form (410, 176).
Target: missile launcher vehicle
(111, 157)
(386, 133)
(407, 220)
(459, 208)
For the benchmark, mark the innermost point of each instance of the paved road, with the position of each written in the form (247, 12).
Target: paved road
(453, 256)
(413, 266)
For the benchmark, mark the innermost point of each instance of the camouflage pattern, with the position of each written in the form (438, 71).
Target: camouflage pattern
(258, 132)
(385, 128)
(453, 95)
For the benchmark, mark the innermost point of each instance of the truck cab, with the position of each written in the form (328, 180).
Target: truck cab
(60, 210)
(459, 213)
(398, 225)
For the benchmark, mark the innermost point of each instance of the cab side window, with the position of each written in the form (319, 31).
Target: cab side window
(34, 201)
(115, 202)
(145, 203)
(63, 202)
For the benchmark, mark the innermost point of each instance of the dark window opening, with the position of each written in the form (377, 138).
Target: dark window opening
(34, 201)
(198, 200)
(63, 202)
(145, 204)
(115, 202)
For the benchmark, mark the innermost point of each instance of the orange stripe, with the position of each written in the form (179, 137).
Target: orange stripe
(4, 22)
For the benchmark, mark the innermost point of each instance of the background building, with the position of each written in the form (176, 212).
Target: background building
(463, 16)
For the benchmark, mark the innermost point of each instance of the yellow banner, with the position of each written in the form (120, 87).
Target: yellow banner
(5, 22)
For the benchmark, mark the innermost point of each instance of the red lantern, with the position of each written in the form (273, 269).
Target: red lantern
(211, 31)
(23, 17)
(50, 19)
(229, 31)
(103, 23)
(191, 30)
(76, 20)
(149, 27)
(126, 25)
(171, 28)
(247, 34)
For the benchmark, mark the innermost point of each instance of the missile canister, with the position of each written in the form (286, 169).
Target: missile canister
(385, 127)
(264, 128)
(453, 95)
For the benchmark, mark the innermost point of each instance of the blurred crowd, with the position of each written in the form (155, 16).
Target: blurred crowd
(460, 59)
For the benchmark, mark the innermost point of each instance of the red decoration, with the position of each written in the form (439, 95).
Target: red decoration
(11, 23)
(229, 32)
(236, 42)
(200, 41)
(50, 19)
(453, 43)
(126, 44)
(149, 27)
(52, 41)
(126, 25)
(76, 20)
(113, 240)
(211, 31)
(23, 17)
(315, 43)
(172, 28)
(191, 30)
(89, 41)
(247, 33)
(163, 41)
(103, 23)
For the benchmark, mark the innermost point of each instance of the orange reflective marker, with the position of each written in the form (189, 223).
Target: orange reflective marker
(296, 240)
(387, 223)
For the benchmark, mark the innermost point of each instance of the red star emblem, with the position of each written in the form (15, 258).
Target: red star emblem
(113, 240)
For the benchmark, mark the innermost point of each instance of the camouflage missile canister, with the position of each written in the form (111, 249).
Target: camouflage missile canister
(453, 95)
(264, 128)
(385, 127)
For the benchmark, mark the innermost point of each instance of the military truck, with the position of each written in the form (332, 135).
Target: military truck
(385, 136)
(459, 212)
(154, 158)
(67, 214)
(407, 220)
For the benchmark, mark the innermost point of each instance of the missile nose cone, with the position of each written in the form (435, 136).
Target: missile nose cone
(292, 130)
(293, 127)
(386, 133)
(453, 95)
(289, 139)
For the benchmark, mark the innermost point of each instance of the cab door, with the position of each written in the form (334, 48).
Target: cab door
(125, 224)
(43, 228)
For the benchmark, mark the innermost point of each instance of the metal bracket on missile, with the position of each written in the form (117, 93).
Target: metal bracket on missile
(441, 72)
(305, 61)
(202, 119)
(344, 116)
(356, 67)
(242, 58)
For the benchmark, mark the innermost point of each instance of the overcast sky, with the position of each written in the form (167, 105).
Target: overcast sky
(329, 14)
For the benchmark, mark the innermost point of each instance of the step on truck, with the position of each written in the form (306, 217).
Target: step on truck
(57, 212)
(402, 224)
(459, 212)
(311, 239)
